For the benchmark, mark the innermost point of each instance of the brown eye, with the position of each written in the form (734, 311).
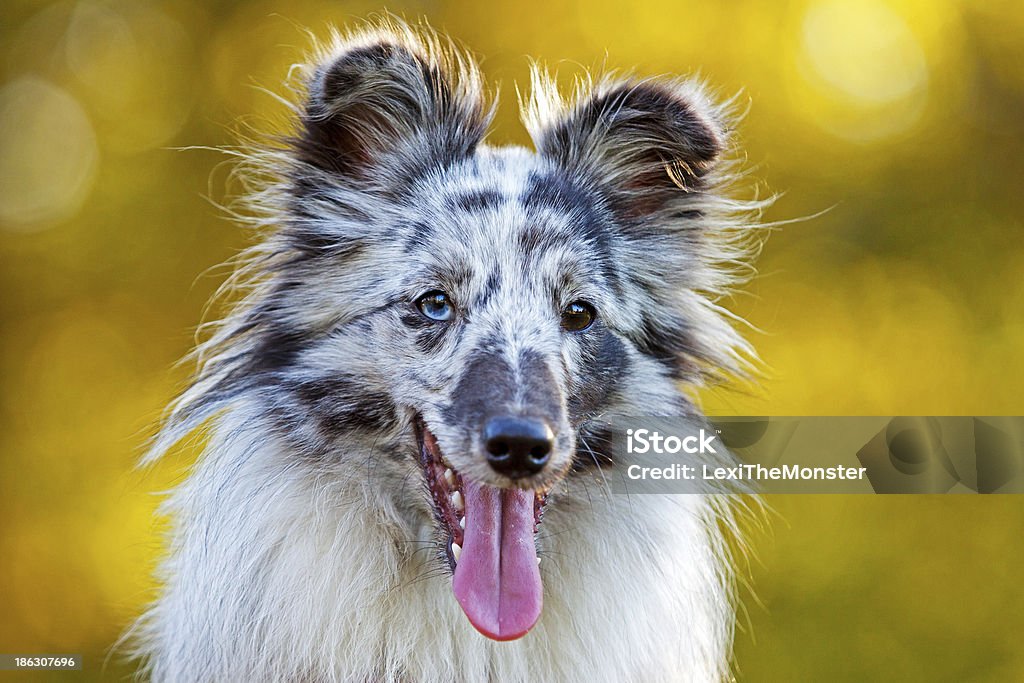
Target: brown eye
(578, 316)
(436, 306)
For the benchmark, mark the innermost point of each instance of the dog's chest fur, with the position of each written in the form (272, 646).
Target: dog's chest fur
(633, 586)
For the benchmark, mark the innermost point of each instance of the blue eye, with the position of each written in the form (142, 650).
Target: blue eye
(436, 305)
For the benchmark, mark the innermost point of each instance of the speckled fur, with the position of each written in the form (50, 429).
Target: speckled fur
(303, 544)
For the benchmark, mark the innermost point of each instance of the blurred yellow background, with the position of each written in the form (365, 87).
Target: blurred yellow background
(906, 117)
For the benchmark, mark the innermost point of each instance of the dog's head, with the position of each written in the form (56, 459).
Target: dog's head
(480, 313)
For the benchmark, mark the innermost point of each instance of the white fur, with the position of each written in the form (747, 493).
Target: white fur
(634, 587)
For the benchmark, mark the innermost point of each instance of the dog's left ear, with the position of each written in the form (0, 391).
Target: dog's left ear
(644, 142)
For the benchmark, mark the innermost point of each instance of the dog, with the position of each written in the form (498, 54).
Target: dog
(407, 411)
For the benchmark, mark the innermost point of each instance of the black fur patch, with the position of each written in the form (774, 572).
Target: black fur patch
(475, 201)
(420, 234)
(416, 321)
(533, 239)
(668, 341)
(593, 450)
(430, 339)
(690, 214)
(340, 404)
(278, 348)
(555, 191)
(486, 387)
(490, 288)
(603, 365)
(540, 388)
(456, 278)
(313, 242)
(278, 343)
(589, 221)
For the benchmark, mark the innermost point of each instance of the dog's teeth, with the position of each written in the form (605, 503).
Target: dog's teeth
(456, 551)
(457, 500)
(462, 523)
(449, 477)
(538, 560)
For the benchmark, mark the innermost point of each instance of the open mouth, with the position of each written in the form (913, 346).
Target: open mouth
(491, 545)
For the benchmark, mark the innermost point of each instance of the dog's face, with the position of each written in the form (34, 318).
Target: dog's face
(481, 313)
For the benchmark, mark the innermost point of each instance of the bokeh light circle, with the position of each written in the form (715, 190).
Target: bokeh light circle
(48, 155)
(866, 67)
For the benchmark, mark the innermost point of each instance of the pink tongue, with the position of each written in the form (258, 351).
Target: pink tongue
(497, 581)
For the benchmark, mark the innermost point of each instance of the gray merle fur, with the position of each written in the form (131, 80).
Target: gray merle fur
(305, 545)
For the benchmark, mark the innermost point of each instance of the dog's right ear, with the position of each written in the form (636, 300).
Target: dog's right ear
(384, 106)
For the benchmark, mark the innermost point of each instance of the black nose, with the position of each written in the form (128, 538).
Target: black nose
(517, 446)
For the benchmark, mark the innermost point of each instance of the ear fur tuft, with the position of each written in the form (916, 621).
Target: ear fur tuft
(387, 101)
(644, 141)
